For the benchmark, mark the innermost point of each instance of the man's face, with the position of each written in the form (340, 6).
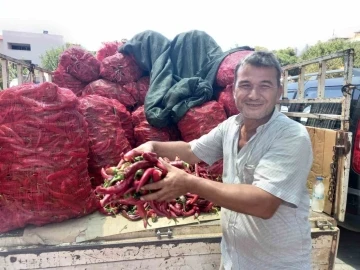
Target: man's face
(256, 91)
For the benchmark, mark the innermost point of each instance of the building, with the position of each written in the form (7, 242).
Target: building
(349, 34)
(28, 46)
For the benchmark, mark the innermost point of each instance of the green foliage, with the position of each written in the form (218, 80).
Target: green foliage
(286, 56)
(328, 47)
(260, 48)
(50, 60)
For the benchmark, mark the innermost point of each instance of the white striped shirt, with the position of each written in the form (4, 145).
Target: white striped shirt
(276, 159)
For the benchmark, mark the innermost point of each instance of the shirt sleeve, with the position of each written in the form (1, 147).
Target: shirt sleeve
(209, 147)
(284, 169)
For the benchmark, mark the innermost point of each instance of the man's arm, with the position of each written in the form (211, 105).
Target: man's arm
(242, 198)
(171, 150)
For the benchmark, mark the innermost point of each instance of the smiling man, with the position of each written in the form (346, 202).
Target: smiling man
(267, 159)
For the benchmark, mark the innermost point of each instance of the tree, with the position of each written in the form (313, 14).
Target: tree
(328, 47)
(286, 57)
(260, 48)
(50, 60)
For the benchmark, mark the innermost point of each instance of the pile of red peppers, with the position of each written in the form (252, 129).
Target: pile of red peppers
(121, 191)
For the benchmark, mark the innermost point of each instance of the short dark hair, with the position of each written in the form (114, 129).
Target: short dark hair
(260, 59)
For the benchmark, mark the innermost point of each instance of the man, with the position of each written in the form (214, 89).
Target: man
(267, 159)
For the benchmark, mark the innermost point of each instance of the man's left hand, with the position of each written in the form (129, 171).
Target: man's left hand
(171, 187)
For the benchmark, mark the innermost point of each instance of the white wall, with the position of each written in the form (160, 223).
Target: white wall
(39, 43)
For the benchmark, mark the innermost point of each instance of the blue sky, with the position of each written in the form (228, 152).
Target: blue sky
(272, 24)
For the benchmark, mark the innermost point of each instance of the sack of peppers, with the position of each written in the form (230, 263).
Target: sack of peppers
(121, 191)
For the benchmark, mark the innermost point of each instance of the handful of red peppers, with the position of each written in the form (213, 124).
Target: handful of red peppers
(121, 191)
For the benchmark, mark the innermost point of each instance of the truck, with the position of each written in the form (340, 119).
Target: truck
(97, 242)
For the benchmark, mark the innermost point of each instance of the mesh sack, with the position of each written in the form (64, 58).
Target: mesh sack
(225, 73)
(226, 99)
(109, 89)
(120, 68)
(65, 80)
(200, 120)
(107, 138)
(43, 157)
(138, 89)
(81, 64)
(144, 132)
(108, 49)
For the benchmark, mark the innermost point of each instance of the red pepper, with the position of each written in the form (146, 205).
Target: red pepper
(129, 200)
(129, 156)
(121, 162)
(130, 190)
(162, 168)
(119, 187)
(129, 216)
(150, 156)
(111, 170)
(208, 208)
(179, 164)
(190, 212)
(193, 200)
(145, 178)
(178, 206)
(178, 212)
(105, 175)
(104, 201)
(173, 214)
(156, 175)
(162, 207)
(108, 211)
(197, 173)
(142, 212)
(131, 170)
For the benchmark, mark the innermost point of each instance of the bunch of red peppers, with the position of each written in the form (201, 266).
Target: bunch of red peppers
(121, 191)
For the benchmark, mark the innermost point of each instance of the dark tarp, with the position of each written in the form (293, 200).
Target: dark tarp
(182, 72)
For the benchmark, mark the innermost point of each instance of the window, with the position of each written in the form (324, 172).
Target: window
(19, 47)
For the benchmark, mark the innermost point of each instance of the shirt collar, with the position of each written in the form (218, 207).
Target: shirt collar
(239, 119)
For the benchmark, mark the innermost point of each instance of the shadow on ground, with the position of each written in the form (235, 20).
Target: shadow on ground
(348, 256)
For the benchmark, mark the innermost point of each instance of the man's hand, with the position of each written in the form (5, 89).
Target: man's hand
(145, 147)
(171, 187)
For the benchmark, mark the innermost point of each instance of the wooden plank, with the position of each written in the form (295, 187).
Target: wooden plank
(5, 77)
(19, 74)
(164, 252)
(203, 262)
(315, 116)
(23, 63)
(344, 165)
(321, 86)
(322, 58)
(324, 248)
(41, 76)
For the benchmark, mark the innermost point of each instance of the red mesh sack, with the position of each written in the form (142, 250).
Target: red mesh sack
(200, 120)
(65, 80)
(143, 85)
(43, 157)
(225, 73)
(226, 99)
(81, 64)
(107, 138)
(213, 172)
(108, 49)
(144, 132)
(109, 89)
(139, 89)
(120, 68)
